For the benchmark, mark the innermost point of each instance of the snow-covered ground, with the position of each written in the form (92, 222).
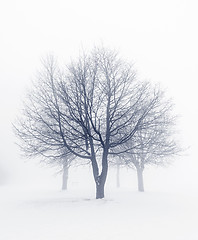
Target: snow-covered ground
(43, 212)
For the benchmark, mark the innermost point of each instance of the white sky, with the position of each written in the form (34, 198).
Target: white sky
(161, 37)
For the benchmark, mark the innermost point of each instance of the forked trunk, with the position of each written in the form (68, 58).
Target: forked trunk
(101, 179)
(140, 179)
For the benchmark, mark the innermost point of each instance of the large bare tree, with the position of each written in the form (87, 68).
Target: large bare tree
(105, 106)
(92, 109)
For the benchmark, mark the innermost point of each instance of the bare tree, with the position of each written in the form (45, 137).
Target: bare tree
(105, 107)
(38, 126)
(154, 143)
(64, 163)
(94, 108)
(117, 162)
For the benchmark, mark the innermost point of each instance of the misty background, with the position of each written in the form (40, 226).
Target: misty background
(159, 37)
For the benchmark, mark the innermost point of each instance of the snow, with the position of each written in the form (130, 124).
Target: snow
(43, 212)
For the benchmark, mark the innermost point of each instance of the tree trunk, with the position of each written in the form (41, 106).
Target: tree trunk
(99, 191)
(100, 183)
(101, 179)
(65, 177)
(118, 176)
(140, 179)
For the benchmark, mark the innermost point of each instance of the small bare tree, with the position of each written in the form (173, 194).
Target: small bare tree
(64, 163)
(38, 126)
(154, 143)
(117, 162)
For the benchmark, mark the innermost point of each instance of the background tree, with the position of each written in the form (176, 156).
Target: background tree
(38, 126)
(117, 162)
(64, 163)
(154, 143)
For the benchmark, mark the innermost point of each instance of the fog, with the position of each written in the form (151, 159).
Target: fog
(159, 37)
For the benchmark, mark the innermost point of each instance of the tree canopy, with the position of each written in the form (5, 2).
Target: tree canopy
(90, 109)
